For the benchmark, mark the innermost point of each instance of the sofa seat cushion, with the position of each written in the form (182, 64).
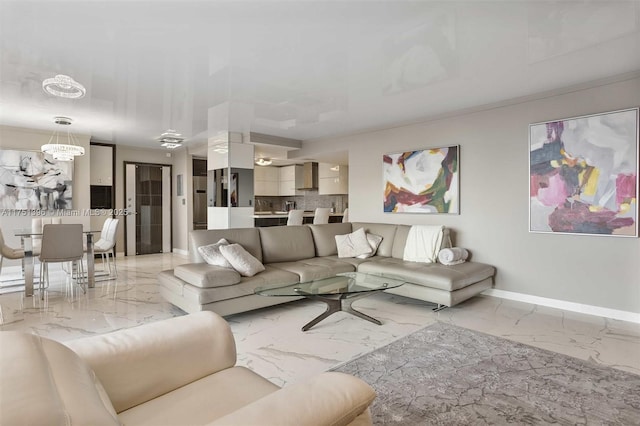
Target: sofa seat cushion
(204, 275)
(195, 295)
(202, 401)
(315, 268)
(433, 275)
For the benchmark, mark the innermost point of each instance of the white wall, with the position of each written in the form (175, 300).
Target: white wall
(182, 206)
(493, 224)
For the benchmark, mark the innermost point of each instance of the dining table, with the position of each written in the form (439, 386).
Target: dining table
(26, 239)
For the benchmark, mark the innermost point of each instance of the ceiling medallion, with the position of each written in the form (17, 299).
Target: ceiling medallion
(170, 139)
(64, 86)
(62, 151)
(263, 161)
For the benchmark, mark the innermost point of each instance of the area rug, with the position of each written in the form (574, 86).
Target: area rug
(447, 375)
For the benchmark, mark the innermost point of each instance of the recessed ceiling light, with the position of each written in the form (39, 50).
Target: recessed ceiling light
(64, 86)
(170, 139)
(263, 161)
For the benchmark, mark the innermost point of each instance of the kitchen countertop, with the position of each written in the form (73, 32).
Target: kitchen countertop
(279, 215)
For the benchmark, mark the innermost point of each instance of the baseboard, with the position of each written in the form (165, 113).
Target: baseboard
(180, 251)
(567, 306)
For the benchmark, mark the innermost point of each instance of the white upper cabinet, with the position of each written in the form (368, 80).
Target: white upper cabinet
(101, 171)
(333, 179)
(266, 173)
(290, 179)
(266, 181)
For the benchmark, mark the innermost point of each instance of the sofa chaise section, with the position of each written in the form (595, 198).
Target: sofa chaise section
(198, 286)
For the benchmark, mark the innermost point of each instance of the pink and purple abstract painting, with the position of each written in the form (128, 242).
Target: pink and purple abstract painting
(424, 181)
(584, 175)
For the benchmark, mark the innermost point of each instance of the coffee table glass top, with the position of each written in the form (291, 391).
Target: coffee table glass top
(341, 284)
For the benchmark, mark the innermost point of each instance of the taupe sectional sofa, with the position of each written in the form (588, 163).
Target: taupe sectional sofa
(294, 254)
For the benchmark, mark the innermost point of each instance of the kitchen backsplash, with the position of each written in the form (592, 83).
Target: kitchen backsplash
(309, 201)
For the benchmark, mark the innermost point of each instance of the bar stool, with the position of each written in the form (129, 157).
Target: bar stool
(295, 217)
(321, 215)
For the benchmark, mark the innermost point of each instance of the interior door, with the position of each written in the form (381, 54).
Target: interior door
(148, 193)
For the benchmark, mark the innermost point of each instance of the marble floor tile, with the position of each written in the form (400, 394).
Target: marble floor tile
(270, 340)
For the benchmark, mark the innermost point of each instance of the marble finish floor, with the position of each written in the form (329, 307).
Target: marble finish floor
(270, 342)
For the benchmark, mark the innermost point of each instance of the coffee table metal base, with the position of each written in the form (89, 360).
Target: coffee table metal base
(336, 305)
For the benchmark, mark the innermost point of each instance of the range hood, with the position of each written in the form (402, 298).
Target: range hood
(309, 176)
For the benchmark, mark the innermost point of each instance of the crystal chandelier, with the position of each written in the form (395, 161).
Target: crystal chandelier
(62, 151)
(170, 139)
(64, 86)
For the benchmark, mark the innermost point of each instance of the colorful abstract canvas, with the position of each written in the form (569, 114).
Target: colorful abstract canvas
(424, 181)
(584, 175)
(31, 180)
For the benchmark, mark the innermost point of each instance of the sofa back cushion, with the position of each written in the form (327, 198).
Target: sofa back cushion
(44, 382)
(286, 243)
(386, 230)
(324, 237)
(402, 231)
(249, 238)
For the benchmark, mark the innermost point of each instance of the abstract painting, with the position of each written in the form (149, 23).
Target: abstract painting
(32, 180)
(424, 181)
(584, 175)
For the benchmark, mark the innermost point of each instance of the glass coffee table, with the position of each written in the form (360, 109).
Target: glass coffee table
(347, 287)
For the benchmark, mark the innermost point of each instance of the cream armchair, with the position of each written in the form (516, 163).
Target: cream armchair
(174, 372)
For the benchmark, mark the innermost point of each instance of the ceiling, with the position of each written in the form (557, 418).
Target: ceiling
(304, 70)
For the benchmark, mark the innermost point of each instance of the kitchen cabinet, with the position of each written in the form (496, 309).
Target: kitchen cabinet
(266, 181)
(290, 179)
(332, 181)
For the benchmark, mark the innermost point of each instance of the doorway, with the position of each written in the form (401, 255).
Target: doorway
(148, 194)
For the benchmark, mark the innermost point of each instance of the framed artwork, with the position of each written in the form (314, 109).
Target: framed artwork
(32, 180)
(422, 181)
(233, 190)
(583, 175)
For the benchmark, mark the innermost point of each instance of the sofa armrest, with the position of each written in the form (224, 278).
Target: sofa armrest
(138, 364)
(326, 399)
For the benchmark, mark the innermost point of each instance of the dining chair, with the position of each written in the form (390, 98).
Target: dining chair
(62, 243)
(321, 215)
(295, 217)
(105, 246)
(9, 252)
(37, 225)
(345, 215)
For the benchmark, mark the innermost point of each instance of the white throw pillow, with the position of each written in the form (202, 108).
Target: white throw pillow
(211, 254)
(353, 244)
(374, 241)
(241, 260)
